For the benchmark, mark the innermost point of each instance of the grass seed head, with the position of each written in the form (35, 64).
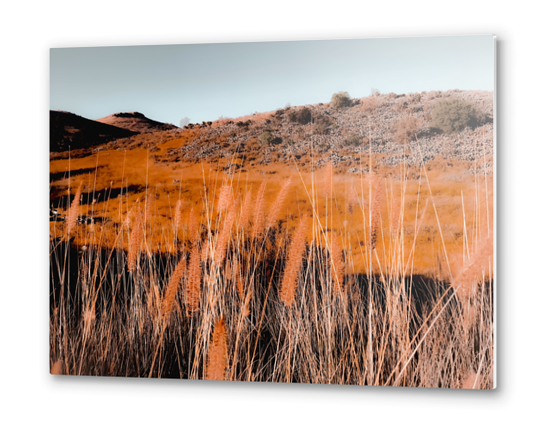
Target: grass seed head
(217, 355)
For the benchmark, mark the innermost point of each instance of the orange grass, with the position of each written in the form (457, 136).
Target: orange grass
(259, 208)
(193, 284)
(172, 288)
(153, 277)
(296, 250)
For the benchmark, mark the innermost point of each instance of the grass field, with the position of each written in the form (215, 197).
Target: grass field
(278, 272)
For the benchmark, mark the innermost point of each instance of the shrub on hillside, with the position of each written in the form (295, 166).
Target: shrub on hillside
(340, 100)
(301, 116)
(368, 104)
(453, 115)
(407, 129)
(321, 125)
(399, 107)
(352, 139)
(279, 114)
(415, 98)
(266, 138)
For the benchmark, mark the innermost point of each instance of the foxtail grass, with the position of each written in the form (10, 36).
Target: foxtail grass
(217, 355)
(296, 250)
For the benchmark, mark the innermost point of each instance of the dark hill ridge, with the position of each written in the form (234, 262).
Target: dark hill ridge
(70, 131)
(135, 121)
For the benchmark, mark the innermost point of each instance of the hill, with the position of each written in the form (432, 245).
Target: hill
(307, 143)
(305, 229)
(70, 131)
(135, 121)
(312, 135)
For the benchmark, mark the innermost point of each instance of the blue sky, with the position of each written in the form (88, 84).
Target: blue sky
(206, 81)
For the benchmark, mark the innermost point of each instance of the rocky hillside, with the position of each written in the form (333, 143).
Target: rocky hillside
(343, 134)
(316, 134)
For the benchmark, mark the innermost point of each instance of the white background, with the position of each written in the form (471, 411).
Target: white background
(29, 29)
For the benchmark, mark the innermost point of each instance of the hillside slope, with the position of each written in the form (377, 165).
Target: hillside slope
(341, 135)
(191, 165)
(135, 121)
(70, 131)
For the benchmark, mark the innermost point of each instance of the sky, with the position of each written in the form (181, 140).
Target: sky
(207, 81)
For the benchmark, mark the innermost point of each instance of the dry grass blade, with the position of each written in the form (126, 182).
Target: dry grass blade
(149, 209)
(177, 216)
(88, 317)
(376, 204)
(239, 281)
(135, 243)
(74, 210)
(337, 265)
(328, 180)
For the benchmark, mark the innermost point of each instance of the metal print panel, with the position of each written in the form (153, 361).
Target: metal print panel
(297, 212)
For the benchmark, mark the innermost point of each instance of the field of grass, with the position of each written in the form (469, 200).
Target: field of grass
(279, 273)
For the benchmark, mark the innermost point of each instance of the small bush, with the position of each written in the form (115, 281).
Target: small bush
(415, 108)
(415, 98)
(279, 114)
(266, 138)
(399, 107)
(368, 104)
(323, 145)
(301, 116)
(453, 115)
(352, 140)
(321, 125)
(340, 100)
(407, 129)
